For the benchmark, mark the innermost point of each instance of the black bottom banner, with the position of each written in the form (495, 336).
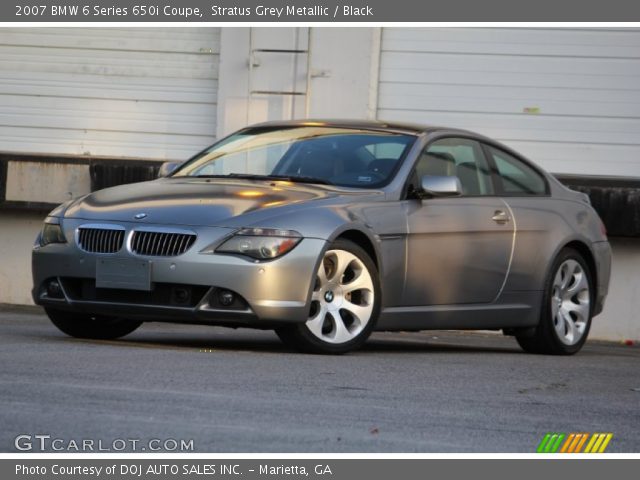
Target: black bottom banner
(321, 468)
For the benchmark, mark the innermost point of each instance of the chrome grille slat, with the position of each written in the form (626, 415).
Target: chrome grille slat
(155, 242)
(180, 242)
(170, 244)
(165, 238)
(101, 236)
(147, 241)
(184, 241)
(100, 240)
(158, 243)
(161, 244)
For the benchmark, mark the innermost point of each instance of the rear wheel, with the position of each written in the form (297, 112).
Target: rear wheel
(345, 303)
(566, 312)
(82, 325)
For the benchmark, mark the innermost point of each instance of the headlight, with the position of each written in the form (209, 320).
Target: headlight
(52, 232)
(260, 243)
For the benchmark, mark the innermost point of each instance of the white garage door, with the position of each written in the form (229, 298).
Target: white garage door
(567, 98)
(117, 92)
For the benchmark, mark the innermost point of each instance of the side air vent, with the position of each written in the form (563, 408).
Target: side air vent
(161, 244)
(97, 239)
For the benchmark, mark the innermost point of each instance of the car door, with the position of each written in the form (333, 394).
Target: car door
(540, 228)
(458, 247)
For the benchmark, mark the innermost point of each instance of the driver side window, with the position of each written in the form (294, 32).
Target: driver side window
(458, 157)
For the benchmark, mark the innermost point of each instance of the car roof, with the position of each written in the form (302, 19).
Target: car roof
(379, 125)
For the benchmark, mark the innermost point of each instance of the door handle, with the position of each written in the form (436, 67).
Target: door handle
(500, 216)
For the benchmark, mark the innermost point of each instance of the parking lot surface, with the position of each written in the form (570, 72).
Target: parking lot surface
(243, 391)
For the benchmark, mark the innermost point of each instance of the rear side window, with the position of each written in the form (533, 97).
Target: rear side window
(517, 177)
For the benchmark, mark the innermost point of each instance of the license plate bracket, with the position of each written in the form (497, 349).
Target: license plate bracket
(123, 273)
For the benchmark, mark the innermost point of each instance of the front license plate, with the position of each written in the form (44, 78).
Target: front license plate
(123, 273)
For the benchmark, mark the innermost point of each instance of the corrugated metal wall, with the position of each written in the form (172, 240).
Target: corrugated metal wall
(117, 92)
(567, 98)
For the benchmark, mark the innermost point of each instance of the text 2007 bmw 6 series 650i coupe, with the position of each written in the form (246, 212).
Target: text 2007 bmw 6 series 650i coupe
(326, 231)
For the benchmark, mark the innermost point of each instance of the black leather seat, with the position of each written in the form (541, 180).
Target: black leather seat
(432, 164)
(436, 164)
(467, 173)
(319, 164)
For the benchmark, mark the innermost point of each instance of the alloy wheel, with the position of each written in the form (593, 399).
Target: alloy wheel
(570, 302)
(342, 301)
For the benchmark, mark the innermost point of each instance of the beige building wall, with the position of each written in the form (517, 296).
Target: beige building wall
(620, 319)
(18, 230)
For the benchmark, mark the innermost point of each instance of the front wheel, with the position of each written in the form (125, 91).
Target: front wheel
(345, 303)
(566, 312)
(98, 327)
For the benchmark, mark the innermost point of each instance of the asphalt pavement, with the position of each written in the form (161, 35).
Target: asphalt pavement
(243, 391)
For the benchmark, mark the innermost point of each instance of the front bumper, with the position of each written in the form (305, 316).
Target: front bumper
(272, 292)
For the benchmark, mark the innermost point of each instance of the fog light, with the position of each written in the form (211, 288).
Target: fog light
(226, 298)
(181, 295)
(54, 290)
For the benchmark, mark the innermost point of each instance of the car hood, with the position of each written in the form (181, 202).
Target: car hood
(207, 202)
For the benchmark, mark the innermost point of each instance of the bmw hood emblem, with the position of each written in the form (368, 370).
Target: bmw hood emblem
(140, 216)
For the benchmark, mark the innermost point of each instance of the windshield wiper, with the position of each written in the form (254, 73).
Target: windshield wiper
(286, 178)
(206, 176)
(299, 179)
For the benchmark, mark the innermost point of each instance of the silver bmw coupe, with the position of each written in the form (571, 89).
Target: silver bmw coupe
(326, 231)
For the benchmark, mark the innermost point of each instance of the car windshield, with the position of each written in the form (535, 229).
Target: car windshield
(347, 157)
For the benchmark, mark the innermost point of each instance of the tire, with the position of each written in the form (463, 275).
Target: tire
(96, 327)
(567, 308)
(345, 303)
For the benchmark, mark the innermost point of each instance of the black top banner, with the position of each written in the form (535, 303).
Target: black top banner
(376, 11)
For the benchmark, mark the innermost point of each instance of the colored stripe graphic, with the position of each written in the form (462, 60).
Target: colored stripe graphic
(557, 443)
(543, 443)
(596, 446)
(581, 443)
(605, 443)
(552, 442)
(568, 445)
(594, 437)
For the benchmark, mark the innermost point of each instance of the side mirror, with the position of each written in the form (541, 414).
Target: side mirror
(167, 168)
(441, 186)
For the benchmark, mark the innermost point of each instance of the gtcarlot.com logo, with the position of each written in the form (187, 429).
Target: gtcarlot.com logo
(48, 443)
(574, 442)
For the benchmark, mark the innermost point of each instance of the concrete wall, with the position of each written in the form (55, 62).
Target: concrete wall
(620, 319)
(18, 230)
(344, 72)
(341, 75)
